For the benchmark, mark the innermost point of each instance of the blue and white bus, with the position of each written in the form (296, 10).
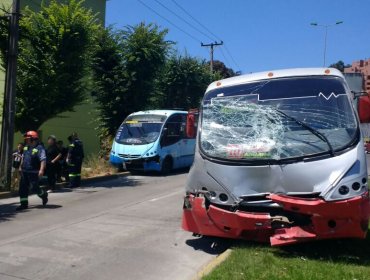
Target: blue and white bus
(153, 140)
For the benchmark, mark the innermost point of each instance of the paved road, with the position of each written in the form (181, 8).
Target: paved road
(127, 228)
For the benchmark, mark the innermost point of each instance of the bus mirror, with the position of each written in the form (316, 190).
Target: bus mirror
(364, 109)
(191, 123)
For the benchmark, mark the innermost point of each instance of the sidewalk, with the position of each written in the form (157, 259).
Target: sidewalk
(83, 182)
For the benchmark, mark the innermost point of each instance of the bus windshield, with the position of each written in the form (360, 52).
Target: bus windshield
(140, 129)
(278, 119)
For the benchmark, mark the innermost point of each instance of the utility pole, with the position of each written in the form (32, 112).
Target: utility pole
(7, 135)
(212, 45)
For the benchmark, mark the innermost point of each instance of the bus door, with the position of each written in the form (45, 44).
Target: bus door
(173, 141)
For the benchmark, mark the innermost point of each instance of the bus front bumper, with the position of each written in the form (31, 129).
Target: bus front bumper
(337, 219)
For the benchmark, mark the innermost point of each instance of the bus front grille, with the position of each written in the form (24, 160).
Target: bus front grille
(129, 156)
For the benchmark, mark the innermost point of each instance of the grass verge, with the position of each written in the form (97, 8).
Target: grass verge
(94, 165)
(331, 259)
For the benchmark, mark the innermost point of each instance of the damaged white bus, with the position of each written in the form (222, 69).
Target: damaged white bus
(279, 158)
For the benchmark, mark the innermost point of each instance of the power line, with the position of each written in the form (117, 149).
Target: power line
(224, 56)
(184, 20)
(209, 31)
(170, 22)
(197, 21)
(231, 56)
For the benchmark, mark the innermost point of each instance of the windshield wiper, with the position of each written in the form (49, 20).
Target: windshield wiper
(315, 132)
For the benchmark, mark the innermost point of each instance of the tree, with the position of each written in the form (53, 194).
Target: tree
(125, 67)
(110, 81)
(340, 65)
(182, 82)
(220, 67)
(55, 50)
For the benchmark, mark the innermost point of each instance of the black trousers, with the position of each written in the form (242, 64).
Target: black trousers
(30, 182)
(75, 174)
(51, 173)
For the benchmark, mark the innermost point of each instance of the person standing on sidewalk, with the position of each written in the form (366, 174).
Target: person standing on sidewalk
(74, 159)
(53, 156)
(62, 170)
(32, 169)
(17, 159)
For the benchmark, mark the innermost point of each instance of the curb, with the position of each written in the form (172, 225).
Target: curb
(4, 195)
(208, 268)
(85, 181)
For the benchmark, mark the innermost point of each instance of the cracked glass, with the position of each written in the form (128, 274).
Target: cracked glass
(278, 119)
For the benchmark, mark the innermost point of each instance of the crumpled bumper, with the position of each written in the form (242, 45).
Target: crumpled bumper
(336, 219)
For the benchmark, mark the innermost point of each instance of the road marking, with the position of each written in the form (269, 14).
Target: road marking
(165, 196)
(51, 228)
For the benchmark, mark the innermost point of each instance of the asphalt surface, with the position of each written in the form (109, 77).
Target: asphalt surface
(126, 228)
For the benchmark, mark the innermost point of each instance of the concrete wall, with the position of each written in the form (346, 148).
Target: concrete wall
(98, 6)
(81, 120)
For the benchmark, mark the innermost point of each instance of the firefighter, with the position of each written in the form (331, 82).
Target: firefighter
(32, 169)
(74, 159)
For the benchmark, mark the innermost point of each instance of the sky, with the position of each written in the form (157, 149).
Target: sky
(258, 35)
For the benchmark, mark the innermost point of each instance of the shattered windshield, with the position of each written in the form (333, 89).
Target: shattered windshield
(140, 129)
(277, 119)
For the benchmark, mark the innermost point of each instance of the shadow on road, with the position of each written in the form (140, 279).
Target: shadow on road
(158, 174)
(209, 245)
(8, 212)
(48, 206)
(62, 190)
(120, 182)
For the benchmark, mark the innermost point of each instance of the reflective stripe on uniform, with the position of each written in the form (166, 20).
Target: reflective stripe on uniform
(74, 175)
(24, 199)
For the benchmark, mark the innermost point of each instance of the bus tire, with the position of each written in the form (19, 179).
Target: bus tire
(120, 168)
(166, 166)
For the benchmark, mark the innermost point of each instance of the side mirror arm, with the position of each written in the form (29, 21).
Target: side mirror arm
(357, 94)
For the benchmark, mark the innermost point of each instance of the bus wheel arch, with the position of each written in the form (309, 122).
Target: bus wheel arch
(167, 165)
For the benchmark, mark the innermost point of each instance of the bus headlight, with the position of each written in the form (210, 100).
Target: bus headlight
(352, 184)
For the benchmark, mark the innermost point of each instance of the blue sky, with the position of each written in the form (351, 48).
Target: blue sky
(259, 34)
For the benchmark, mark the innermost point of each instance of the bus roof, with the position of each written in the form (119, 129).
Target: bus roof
(295, 72)
(158, 112)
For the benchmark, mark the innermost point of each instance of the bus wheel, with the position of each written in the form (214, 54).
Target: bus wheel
(166, 166)
(120, 168)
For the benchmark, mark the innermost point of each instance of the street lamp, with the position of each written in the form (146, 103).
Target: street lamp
(326, 26)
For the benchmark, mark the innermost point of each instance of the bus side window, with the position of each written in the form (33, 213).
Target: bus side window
(172, 131)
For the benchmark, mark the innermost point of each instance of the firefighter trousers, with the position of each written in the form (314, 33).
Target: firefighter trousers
(30, 182)
(75, 174)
